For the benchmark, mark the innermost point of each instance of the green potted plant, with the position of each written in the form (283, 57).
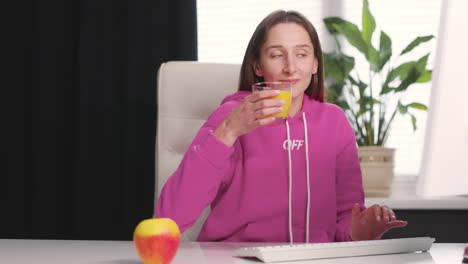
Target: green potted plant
(372, 103)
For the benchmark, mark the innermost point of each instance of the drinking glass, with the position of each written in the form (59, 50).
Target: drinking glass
(285, 89)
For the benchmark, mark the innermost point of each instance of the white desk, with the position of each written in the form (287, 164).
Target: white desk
(413, 202)
(123, 252)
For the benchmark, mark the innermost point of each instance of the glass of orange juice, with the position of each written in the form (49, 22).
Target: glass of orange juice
(285, 89)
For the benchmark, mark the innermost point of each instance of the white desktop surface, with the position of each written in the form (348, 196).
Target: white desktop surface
(123, 252)
(413, 202)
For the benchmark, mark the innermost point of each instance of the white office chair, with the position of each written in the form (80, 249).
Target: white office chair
(187, 93)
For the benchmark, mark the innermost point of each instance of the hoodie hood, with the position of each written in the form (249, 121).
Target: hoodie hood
(237, 96)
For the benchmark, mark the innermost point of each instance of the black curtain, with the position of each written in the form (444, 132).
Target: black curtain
(79, 108)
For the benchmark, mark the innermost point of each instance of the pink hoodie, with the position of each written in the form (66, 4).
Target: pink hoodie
(247, 185)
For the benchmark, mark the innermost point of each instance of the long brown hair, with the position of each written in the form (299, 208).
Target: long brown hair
(316, 88)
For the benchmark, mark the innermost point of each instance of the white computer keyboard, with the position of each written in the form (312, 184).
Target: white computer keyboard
(336, 249)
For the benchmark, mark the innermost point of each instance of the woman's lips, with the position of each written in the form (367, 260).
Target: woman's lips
(293, 81)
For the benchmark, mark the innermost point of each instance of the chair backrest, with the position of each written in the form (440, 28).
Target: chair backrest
(187, 93)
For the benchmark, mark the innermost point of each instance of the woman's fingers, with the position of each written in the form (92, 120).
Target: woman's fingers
(260, 114)
(373, 222)
(396, 223)
(267, 103)
(386, 214)
(392, 215)
(253, 112)
(377, 212)
(262, 95)
(356, 210)
(265, 121)
(383, 212)
(266, 107)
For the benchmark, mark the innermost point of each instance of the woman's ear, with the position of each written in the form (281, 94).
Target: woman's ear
(257, 69)
(315, 66)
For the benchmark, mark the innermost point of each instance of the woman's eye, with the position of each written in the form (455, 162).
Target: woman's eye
(277, 55)
(301, 55)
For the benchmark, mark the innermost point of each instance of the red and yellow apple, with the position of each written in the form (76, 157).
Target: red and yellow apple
(156, 240)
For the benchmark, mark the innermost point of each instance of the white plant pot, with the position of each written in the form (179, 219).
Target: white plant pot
(377, 170)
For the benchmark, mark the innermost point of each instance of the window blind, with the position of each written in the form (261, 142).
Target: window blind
(225, 26)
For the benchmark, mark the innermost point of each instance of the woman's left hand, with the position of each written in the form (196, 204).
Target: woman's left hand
(373, 222)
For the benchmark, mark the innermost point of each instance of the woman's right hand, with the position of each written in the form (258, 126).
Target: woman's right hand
(249, 115)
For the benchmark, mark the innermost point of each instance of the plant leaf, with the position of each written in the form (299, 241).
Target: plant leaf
(366, 104)
(417, 106)
(362, 111)
(354, 83)
(361, 85)
(416, 42)
(367, 100)
(337, 66)
(329, 24)
(344, 105)
(405, 71)
(351, 92)
(413, 122)
(412, 77)
(386, 89)
(368, 23)
(426, 76)
(376, 58)
(370, 134)
(422, 62)
(334, 92)
(403, 109)
(349, 30)
(400, 71)
(385, 50)
(373, 57)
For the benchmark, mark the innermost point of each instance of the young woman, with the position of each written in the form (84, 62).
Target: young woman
(296, 182)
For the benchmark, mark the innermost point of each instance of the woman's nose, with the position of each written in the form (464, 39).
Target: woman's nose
(289, 65)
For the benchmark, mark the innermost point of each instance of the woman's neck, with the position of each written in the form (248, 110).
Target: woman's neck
(296, 105)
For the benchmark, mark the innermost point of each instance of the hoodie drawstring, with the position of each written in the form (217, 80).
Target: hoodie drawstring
(290, 184)
(290, 179)
(308, 178)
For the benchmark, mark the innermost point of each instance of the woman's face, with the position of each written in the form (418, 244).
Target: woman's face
(287, 55)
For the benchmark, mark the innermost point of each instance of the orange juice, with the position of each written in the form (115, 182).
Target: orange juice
(286, 97)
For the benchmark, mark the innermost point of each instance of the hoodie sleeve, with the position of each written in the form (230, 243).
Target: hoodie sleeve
(349, 188)
(206, 165)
